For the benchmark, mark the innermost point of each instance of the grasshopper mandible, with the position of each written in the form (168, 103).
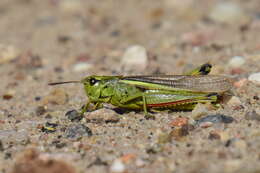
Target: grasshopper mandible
(155, 92)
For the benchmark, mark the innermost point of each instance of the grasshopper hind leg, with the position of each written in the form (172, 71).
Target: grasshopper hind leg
(204, 69)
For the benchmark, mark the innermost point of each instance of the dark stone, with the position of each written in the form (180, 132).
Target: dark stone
(218, 118)
(98, 162)
(73, 115)
(252, 115)
(76, 131)
(40, 110)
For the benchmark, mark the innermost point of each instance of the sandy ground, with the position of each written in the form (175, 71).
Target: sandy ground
(43, 41)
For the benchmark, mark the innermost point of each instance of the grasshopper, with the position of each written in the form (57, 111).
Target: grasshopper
(155, 92)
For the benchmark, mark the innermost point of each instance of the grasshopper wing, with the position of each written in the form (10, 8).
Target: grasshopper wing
(197, 83)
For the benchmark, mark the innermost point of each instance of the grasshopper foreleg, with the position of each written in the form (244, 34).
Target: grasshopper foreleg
(85, 108)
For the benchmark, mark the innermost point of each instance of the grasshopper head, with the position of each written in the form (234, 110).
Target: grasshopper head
(97, 87)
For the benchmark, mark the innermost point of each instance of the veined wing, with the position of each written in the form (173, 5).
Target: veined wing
(197, 83)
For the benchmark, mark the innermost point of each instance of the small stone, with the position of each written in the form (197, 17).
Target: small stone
(199, 111)
(57, 96)
(224, 136)
(1, 146)
(179, 122)
(240, 83)
(73, 115)
(7, 53)
(218, 118)
(29, 60)
(37, 98)
(82, 66)
(236, 61)
(139, 162)
(117, 166)
(98, 162)
(102, 116)
(7, 96)
(206, 124)
(134, 59)
(128, 157)
(234, 101)
(40, 110)
(178, 134)
(71, 6)
(198, 38)
(255, 78)
(214, 135)
(76, 131)
(252, 115)
(229, 13)
(164, 137)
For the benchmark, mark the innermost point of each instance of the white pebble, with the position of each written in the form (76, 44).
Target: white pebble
(7, 53)
(255, 78)
(81, 67)
(228, 12)
(117, 166)
(134, 58)
(237, 61)
(71, 6)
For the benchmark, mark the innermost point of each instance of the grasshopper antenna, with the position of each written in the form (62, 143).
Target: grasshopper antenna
(59, 83)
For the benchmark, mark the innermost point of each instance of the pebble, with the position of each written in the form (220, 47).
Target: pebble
(252, 115)
(117, 166)
(71, 6)
(234, 101)
(73, 115)
(8, 95)
(139, 162)
(255, 78)
(178, 134)
(40, 110)
(57, 96)
(214, 135)
(218, 118)
(29, 60)
(240, 83)
(228, 12)
(179, 122)
(236, 61)
(102, 116)
(76, 131)
(134, 59)
(7, 53)
(82, 66)
(199, 111)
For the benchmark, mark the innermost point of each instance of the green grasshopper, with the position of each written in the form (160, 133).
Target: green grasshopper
(155, 92)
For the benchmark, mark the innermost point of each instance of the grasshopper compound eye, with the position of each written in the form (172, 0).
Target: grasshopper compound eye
(93, 81)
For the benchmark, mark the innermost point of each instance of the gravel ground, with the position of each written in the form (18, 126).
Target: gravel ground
(59, 40)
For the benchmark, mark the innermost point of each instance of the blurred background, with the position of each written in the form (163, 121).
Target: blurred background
(76, 35)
